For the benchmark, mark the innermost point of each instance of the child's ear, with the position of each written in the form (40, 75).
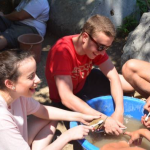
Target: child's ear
(9, 84)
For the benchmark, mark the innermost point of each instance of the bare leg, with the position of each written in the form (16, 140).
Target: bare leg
(125, 85)
(40, 132)
(3, 42)
(137, 73)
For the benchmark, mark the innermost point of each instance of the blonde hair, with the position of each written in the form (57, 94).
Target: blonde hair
(98, 23)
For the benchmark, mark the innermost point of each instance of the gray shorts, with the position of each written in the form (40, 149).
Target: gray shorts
(11, 30)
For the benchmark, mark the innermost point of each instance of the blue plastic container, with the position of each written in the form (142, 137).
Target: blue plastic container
(133, 107)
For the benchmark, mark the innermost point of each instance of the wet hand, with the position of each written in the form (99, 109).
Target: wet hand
(113, 126)
(135, 137)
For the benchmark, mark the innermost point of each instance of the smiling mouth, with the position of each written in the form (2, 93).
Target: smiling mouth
(32, 89)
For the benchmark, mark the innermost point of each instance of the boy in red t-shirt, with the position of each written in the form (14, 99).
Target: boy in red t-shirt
(71, 78)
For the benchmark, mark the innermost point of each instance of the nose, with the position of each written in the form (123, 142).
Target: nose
(37, 80)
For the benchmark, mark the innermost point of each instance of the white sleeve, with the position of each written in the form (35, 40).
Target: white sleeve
(32, 105)
(10, 137)
(35, 8)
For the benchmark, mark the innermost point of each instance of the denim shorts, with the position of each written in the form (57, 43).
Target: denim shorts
(11, 30)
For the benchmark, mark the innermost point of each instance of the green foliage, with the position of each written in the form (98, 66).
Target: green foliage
(129, 24)
(143, 6)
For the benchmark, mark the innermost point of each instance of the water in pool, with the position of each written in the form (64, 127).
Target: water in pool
(100, 139)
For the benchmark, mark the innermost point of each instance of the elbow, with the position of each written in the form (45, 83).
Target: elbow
(65, 102)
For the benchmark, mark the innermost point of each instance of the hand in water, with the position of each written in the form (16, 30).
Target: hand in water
(135, 137)
(113, 126)
(145, 123)
(122, 145)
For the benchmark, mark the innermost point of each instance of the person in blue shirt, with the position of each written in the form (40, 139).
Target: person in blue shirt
(30, 16)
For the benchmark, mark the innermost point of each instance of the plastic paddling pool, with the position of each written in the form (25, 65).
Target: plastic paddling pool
(133, 108)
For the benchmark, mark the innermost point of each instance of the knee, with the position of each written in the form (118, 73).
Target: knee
(129, 67)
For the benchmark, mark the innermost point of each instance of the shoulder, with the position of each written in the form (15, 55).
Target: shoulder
(100, 59)
(65, 39)
(39, 2)
(6, 118)
(65, 43)
(31, 105)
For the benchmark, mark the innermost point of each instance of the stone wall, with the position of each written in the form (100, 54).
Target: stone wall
(68, 16)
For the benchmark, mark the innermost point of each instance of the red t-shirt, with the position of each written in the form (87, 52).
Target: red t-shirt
(63, 60)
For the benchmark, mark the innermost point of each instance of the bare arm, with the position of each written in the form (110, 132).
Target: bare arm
(145, 133)
(75, 133)
(122, 145)
(115, 85)
(65, 88)
(136, 135)
(53, 113)
(18, 16)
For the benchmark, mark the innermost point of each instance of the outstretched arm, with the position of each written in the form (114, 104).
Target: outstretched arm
(53, 113)
(122, 145)
(65, 88)
(116, 89)
(75, 133)
(136, 136)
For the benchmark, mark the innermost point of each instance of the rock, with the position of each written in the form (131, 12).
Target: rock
(138, 41)
(68, 16)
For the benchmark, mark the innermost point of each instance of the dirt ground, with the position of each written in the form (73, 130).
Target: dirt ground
(42, 94)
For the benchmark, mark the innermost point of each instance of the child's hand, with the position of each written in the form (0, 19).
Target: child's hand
(135, 137)
(145, 123)
(79, 132)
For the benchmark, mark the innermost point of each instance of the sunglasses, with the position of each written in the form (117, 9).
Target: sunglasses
(100, 47)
